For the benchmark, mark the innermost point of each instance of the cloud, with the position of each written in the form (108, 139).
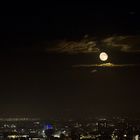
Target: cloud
(88, 45)
(123, 43)
(94, 71)
(74, 47)
(105, 65)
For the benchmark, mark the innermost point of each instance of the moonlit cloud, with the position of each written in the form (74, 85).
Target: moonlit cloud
(123, 43)
(105, 65)
(114, 43)
(126, 44)
(74, 47)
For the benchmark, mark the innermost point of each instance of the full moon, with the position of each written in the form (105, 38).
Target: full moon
(103, 56)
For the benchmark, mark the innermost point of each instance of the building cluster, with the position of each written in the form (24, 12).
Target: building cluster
(88, 129)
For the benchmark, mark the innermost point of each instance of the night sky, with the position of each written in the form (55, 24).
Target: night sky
(49, 59)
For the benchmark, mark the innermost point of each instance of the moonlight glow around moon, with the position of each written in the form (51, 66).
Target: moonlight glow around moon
(103, 56)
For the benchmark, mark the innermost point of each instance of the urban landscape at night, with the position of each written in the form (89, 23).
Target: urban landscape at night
(115, 128)
(70, 70)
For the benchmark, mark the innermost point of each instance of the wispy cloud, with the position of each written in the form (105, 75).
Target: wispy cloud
(123, 43)
(114, 42)
(109, 65)
(72, 47)
(90, 45)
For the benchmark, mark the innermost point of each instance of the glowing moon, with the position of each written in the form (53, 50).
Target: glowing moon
(103, 56)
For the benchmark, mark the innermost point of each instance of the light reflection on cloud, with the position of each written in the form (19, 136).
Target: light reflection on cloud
(111, 65)
(74, 47)
(126, 44)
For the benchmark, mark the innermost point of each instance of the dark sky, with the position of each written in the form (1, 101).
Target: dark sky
(35, 82)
